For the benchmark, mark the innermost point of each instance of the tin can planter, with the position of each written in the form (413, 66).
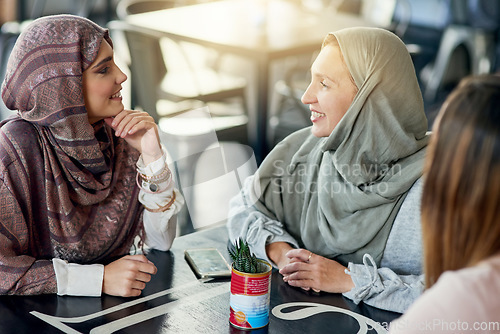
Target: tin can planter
(250, 297)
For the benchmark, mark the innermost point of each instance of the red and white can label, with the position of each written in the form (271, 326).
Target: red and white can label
(249, 300)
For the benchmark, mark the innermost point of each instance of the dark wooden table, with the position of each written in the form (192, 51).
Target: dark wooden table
(262, 31)
(175, 301)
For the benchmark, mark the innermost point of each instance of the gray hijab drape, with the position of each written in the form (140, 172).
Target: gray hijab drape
(338, 196)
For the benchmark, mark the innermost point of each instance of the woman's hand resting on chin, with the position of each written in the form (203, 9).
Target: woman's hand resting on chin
(140, 131)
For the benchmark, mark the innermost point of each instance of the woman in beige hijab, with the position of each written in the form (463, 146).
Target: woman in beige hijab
(335, 207)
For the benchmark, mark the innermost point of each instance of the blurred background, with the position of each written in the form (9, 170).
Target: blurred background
(247, 63)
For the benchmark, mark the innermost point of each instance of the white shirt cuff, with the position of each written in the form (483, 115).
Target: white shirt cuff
(154, 167)
(77, 279)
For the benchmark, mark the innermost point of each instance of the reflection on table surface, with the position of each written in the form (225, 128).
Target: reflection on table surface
(175, 301)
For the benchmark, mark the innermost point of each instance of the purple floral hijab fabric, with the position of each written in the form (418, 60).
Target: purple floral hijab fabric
(68, 187)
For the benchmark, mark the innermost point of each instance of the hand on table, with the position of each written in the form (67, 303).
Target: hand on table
(140, 131)
(276, 252)
(127, 276)
(311, 271)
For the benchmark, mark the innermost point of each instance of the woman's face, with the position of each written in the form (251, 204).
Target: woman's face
(330, 92)
(102, 85)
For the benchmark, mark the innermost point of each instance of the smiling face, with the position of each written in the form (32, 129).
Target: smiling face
(102, 85)
(330, 92)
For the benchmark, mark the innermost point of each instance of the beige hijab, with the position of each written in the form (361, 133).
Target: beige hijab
(338, 196)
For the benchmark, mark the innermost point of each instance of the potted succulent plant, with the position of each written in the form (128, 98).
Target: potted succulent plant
(250, 287)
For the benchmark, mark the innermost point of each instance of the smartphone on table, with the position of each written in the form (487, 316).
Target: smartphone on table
(207, 262)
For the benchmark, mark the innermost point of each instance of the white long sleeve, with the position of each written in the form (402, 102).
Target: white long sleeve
(160, 227)
(77, 279)
(393, 286)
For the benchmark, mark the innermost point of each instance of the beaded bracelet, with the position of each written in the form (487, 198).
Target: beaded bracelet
(165, 207)
(163, 176)
(152, 187)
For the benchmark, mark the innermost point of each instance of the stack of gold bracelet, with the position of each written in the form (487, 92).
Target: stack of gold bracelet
(152, 183)
(165, 207)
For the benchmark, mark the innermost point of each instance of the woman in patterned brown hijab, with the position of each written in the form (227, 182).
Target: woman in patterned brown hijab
(69, 199)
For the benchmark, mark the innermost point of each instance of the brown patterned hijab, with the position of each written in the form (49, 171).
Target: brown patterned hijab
(68, 186)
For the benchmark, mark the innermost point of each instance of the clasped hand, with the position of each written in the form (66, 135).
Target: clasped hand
(311, 271)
